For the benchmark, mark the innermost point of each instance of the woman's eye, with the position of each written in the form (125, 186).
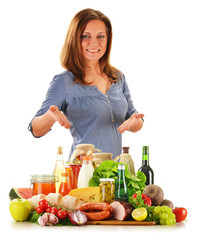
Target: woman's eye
(85, 36)
(101, 36)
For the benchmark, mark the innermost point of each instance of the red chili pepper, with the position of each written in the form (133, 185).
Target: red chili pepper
(146, 199)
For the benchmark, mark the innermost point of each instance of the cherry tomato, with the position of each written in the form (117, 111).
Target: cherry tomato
(54, 210)
(180, 213)
(48, 209)
(39, 210)
(62, 214)
(43, 204)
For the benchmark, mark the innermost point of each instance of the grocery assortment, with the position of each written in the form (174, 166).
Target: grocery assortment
(93, 188)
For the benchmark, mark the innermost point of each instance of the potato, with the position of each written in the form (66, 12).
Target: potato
(168, 203)
(155, 193)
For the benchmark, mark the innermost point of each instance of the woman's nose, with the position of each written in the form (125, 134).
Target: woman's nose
(94, 41)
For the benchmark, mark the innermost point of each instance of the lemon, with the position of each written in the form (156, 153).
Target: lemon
(139, 214)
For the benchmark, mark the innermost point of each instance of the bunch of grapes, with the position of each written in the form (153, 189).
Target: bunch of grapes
(165, 215)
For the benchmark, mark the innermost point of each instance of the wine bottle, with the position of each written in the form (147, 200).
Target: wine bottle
(145, 168)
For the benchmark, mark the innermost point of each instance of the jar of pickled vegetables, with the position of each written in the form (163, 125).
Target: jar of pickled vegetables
(107, 190)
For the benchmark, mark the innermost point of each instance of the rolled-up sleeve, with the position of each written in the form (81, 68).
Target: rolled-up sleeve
(131, 108)
(56, 95)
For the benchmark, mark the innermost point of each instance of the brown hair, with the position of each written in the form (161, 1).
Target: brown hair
(71, 55)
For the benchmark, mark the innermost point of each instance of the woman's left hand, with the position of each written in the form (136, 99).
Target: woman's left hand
(133, 124)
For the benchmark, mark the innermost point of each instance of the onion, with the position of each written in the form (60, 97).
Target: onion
(78, 217)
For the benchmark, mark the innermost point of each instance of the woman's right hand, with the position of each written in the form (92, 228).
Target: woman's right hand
(58, 116)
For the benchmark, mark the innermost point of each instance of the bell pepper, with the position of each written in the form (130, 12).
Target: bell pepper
(146, 199)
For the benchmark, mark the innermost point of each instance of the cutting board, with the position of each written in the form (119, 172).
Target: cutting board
(117, 222)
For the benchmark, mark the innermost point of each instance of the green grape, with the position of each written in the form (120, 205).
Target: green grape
(162, 221)
(169, 221)
(157, 209)
(165, 216)
(164, 208)
(168, 210)
(172, 215)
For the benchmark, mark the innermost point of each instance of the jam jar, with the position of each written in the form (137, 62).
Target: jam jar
(43, 183)
(107, 190)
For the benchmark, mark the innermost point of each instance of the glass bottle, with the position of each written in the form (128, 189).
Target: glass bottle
(65, 185)
(59, 167)
(145, 168)
(86, 172)
(121, 190)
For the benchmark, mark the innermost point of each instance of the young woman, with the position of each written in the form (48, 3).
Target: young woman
(91, 98)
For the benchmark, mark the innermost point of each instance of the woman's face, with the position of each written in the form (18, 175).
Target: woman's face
(94, 40)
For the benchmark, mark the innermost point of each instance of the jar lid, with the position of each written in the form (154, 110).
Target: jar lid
(43, 178)
(107, 179)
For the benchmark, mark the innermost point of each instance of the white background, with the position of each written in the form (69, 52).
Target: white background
(156, 45)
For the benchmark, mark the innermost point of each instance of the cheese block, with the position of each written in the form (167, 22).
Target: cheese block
(89, 194)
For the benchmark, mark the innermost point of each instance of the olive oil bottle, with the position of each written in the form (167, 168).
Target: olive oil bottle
(145, 168)
(59, 167)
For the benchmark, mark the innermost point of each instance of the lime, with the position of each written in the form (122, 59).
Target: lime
(139, 214)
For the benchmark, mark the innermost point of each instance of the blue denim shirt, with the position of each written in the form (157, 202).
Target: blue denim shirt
(94, 116)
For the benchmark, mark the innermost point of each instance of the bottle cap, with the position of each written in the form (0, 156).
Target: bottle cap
(60, 150)
(121, 167)
(125, 149)
(87, 158)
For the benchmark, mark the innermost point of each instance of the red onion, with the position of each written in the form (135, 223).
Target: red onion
(78, 217)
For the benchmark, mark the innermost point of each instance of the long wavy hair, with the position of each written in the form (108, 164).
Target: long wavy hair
(71, 55)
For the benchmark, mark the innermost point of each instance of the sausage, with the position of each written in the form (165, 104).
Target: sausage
(95, 206)
(97, 216)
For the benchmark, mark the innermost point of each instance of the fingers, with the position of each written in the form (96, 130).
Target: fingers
(53, 108)
(138, 115)
(60, 117)
(124, 127)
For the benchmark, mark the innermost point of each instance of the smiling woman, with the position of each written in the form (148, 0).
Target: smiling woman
(91, 98)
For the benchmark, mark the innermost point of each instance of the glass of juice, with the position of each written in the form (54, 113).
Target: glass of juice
(76, 169)
(43, 183)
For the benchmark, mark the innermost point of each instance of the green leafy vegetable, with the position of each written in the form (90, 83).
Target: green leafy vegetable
(138, 202)
(109, 169)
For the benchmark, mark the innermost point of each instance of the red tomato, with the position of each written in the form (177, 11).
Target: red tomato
(43, 204)
(39, 210)
(48, 209)
(62, 214)
(54, 210)
(180, 213)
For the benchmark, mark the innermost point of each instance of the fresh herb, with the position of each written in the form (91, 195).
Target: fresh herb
(138, 202)
(33, 217)
(109, 169)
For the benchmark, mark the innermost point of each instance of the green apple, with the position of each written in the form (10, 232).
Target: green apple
(20, 209)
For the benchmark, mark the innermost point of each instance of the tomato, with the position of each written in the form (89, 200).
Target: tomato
(180, 213)
(54, 210)
(62, 214)
(39, 210)
(48, 209)
(43, 204)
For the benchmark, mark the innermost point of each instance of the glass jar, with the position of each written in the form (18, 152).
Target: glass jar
(43, 183)
(107, 190)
